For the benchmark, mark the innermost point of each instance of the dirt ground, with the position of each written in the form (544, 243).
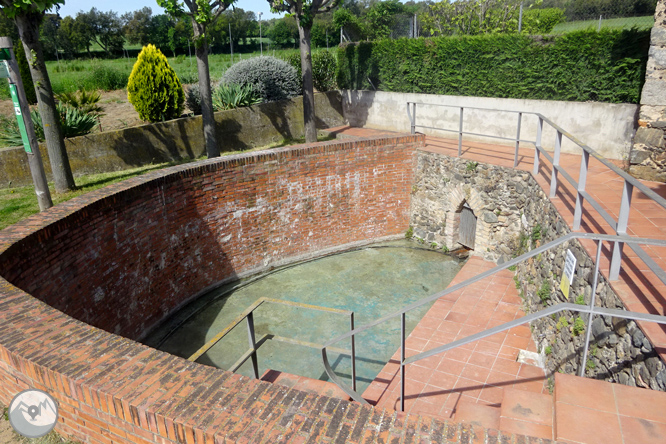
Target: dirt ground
(118, 113)
(7, 435)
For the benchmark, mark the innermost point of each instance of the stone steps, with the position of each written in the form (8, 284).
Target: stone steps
(309, 385)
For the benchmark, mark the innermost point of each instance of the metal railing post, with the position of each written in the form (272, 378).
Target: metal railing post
(588, 330)
(556, 163)
(622, 221)
(515, 157)
(353, 351)
(253, 343)
(460, 133)
(402, 363)
(412, 115)
(537, 145)
(582, 179)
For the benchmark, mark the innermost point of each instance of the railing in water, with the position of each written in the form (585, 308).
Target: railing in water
(590, 309)
(254, 345)
(619, 225)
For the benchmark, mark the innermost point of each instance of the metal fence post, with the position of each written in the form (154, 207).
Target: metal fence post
(515, 157)
(556, 163)
(402, 363)
(537, 146)
(582, 179)
(460, 133)
(253, 343)
(353, 352)
(622, 221)
(588, 330)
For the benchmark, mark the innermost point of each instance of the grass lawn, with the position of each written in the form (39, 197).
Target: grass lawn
(627, 22)
(72, 75)
(18, 203)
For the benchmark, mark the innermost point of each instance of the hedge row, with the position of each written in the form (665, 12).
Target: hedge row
(606, 66)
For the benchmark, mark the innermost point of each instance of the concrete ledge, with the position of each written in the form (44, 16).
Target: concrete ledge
(237, 129)
(606, 128)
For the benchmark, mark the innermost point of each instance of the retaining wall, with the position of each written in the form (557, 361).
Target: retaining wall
(237, 129)
(80, 279)
(606, 127)
(514, 215)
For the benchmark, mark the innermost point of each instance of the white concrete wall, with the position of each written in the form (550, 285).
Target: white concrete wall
(605, 127)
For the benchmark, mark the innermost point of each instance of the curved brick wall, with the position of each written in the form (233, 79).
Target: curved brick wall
(124, 257)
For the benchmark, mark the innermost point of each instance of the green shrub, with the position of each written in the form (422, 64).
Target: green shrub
(106, 78)
(409, 233)
(544, 291)
(272, 78)
(193, 99)
(24, 72)
(578, 326)
(324, 65)
(605, 66)
(562, 323)
(542, 21)
(230, 96)
(153, 87)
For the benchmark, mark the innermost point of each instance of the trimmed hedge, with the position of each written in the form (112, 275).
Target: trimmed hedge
(606, 66)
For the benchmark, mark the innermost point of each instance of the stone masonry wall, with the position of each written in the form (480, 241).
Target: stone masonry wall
(648, 154)
(119, 259)
(515, 216)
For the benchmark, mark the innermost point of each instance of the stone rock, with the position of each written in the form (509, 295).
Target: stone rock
(654, 92)
(490, 218)
(637, 338)
(598, 327)
(658, 36)
(652, 137)
(660, 124)
(637, 157)
(658, 56)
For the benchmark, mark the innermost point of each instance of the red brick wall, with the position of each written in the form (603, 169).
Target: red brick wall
(123, 257)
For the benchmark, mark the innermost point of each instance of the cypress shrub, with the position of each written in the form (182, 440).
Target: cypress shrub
(606, 66)
(24, 71)
(153, 87)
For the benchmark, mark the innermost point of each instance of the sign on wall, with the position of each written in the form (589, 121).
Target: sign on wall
(568, 275)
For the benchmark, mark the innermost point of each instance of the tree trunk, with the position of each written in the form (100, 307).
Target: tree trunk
(308, 88)
(201, 50)
(28, 26)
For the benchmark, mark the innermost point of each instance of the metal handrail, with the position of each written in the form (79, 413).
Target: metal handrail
(620, 226)
(248, 314)
(591, 309)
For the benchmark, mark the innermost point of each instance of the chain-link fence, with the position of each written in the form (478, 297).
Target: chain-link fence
(598, 14)
(508, 16)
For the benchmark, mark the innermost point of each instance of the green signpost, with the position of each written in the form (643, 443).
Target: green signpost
(19, 116)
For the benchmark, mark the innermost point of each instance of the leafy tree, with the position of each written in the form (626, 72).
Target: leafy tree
(381, 17)
(283, 33)
(471, 17)
(68, 37)
(27, 16)
(305, 12)
(103, 28)
(180, 35)
(138, 26)
(202, 13)
(48, 33)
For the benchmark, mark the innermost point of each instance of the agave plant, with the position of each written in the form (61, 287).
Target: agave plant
(73, 122)
(230, 96)
(86, 101)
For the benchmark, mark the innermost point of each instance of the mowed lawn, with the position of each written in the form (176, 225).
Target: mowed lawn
(626, 22)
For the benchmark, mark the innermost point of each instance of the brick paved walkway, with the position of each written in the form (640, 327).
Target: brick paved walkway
(638, 287)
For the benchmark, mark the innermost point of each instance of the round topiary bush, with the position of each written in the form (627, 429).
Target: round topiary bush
(153, 87)
(273, 79)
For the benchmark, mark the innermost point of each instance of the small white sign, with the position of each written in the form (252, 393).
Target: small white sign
(569, 271)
